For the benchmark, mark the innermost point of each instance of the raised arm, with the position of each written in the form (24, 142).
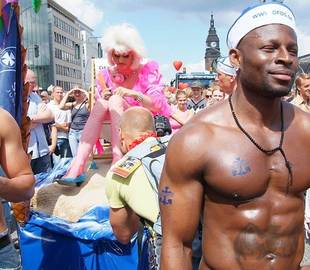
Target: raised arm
(64, 105)
(180, 198)
(19, 183)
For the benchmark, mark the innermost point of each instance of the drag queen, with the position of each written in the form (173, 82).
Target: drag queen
(133, 82)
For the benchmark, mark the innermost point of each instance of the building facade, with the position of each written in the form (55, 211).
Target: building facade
(91, 49)
(212, 46)
(54, 43)
(66, 43)
(36, 39)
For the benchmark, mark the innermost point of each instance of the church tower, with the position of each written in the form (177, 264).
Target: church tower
(212, 46)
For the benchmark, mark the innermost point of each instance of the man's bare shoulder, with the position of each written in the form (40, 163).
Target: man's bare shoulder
(215, 114)
(8, 122)
(298, 117)
(190, 143)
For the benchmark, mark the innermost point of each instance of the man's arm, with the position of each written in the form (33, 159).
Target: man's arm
(181, 119)
(44, 115)
(64, 105)
(181, 197)
(53, 145)
(124, 223)
(62, 127)
(19, 183)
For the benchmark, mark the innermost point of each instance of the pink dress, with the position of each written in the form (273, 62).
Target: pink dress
(148, 83)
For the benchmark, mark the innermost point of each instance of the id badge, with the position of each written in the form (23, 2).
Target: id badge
(127, 167)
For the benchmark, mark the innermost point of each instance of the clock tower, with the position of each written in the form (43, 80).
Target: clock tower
(212, 46)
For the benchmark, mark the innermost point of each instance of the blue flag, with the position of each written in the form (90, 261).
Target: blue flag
(10, 64)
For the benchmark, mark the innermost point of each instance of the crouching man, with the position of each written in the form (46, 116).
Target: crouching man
(132, 188)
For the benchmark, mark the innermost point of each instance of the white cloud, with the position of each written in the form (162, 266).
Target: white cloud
(85, 10)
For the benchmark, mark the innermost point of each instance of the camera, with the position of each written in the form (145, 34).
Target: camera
(162, 125)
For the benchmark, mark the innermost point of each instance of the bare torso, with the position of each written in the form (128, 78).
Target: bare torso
(253, 215)
(2, 220)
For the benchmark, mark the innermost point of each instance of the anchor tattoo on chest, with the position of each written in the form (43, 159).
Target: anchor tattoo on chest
(240, 167)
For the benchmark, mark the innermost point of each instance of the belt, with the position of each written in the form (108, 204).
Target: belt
(5, 241)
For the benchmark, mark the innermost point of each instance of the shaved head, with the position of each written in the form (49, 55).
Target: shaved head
(136, 121)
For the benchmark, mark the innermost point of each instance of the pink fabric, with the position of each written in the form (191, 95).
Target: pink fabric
(99, 147)
(89, 137)
(175, 125)
(149, 83)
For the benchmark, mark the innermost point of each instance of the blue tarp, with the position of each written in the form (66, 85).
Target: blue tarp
(50, 243)
(59, 170)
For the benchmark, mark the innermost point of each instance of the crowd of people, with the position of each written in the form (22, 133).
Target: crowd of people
(238, 207)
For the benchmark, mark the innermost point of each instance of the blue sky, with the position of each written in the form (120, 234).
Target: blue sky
(177, 29)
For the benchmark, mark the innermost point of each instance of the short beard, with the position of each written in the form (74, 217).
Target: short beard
(276, 94)
(266, 91)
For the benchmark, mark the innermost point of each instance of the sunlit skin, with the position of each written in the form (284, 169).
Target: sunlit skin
(181, 102)
(304, 88)
(79, 96)
(252, 214)
(196, 93)
(18, 185)
(208, 94)
(225, 82)
(44, 96)
(123, 61)
(31, 78)
(217, 95)
(58, 94)
(123, 65)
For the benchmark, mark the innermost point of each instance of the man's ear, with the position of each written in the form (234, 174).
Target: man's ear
(235, 58)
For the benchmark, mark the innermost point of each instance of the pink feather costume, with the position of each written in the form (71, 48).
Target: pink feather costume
(148, 83)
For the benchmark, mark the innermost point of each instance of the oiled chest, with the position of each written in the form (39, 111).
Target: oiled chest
(244, 173)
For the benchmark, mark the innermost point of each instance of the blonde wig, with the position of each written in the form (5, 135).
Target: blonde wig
(123, 38)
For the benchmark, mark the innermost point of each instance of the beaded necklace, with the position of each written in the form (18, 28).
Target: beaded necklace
(265, 151)
(140, 139)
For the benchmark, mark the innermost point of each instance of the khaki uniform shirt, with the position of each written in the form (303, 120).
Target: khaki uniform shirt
(301, 104)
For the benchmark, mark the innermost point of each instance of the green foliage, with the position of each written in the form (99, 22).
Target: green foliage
(36, 4)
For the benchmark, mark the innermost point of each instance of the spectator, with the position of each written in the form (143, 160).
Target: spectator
(62, 120)
(45, 96)
(38, 113)
(207, 93)
(226, 76)
(196, 101)
(179, 112)
(217, 95)
(79, 115)
(302, 98)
